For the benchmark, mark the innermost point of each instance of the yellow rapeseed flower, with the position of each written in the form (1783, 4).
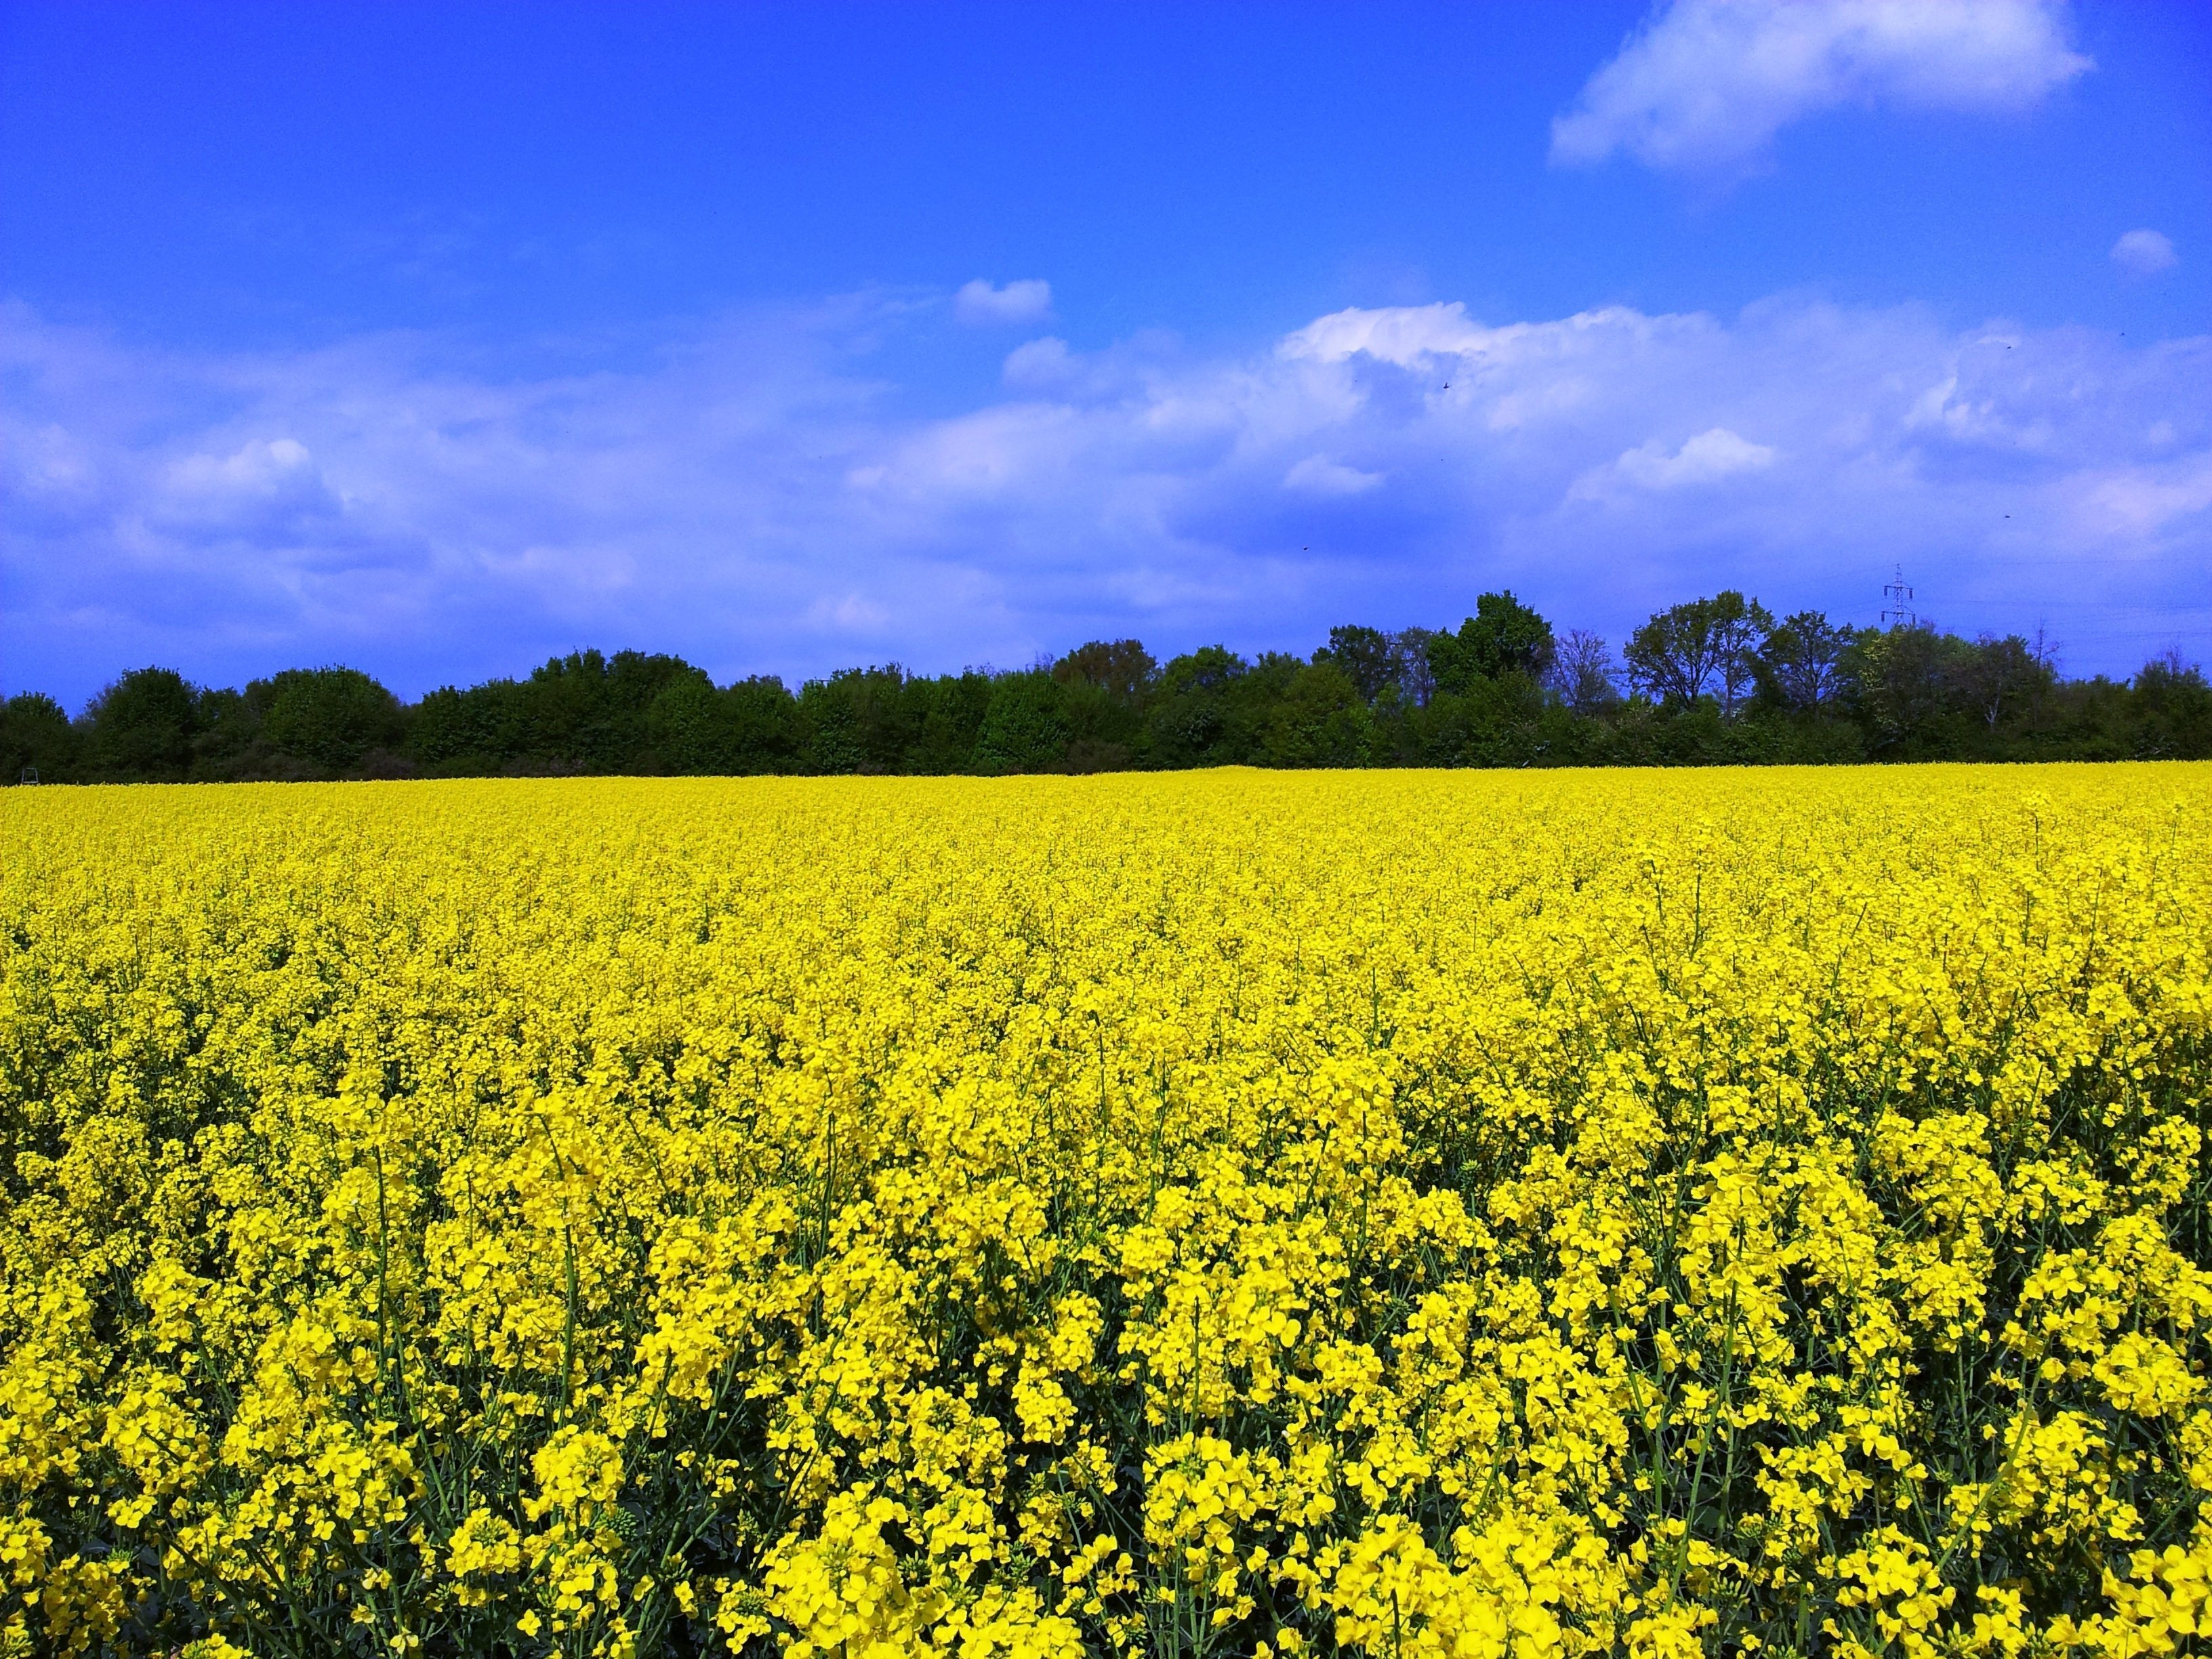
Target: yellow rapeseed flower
(1210, 1214)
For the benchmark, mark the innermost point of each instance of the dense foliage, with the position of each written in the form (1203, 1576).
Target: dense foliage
(1230, 1213)
(1717, 680)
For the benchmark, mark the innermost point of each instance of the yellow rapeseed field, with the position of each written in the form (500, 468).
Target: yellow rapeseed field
(1210, 1213)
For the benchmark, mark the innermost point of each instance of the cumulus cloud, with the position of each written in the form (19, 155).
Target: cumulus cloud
(1706, 84)
(749, 496)
(264, 486)
(1706, 459)
(979, 304)
(2145, 252)
(1404, 335)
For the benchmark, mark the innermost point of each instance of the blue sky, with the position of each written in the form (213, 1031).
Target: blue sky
(437, 339)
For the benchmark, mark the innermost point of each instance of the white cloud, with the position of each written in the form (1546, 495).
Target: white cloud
(2134, 504)
(2146, 252)
(260, 468)
(751, 498)
(1403, 335)
(1706, 459)
(1317, 474)
(979, 304)
(1706, 84)
(265, 487)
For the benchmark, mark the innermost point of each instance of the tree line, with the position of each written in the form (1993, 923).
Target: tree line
(1714, 681)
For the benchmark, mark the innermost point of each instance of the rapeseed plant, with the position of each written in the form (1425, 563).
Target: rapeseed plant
(1209, 1214)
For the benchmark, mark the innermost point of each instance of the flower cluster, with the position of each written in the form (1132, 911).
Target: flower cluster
(1211, 1215)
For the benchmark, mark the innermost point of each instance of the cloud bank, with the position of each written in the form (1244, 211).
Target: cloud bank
(1704, 85)
(748, 492)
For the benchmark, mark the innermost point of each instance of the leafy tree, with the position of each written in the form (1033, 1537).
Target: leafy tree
(1023, 729)
(1998, 674)
(35, 735)
(1493, 722)
(1123, 669)
(1802, 661)
(1367, 657)
(1103, 732)
(1253, 696)
(591, 713)
(1706, 647)
(484, 729)
(1187, 721)
(1367, 696)
(1415, 684)
(749, 726)
(859, 720)
(954, 707)
(140, 728)
(1105, 685)
(765, 732)
(227, 741)
(329, 718)
(1503, 637)
(1321, 719)
(1906, 683)
(1452, 667)
(2172, 709)
(586, 712)
(693, 730)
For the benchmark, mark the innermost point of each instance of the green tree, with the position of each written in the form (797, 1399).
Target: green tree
(329, 719)
(861, 719)
(1802, 662)
(1703, 649)
(481, 729)
(2172, 708)
(1905, 691)
(1105, 685)
(953, 710)
(1493, 722)
(1123, 669)
(692, 730)
(765, 732)
(140, 728)
(586, 712)
(1251, 706)
(1414, 683)
(1999, 675)
(1367, 657)
(1504, 637)
(1025, 728)
(227, 742)
(1187, 722)
(1320, 719)
(748, 726)
(36, 736)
